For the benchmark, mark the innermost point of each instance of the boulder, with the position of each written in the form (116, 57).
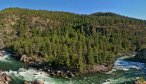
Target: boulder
(4, 79)
(70, 75)
(7, 78)
(38, 82)
(24, 58)
(26, 82)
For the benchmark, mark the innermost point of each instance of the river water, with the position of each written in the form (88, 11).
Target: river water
(123, 71)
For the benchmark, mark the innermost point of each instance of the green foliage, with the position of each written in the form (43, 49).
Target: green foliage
(141, 79)
(71, 40)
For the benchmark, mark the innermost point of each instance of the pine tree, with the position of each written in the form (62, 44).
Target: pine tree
(81, 60)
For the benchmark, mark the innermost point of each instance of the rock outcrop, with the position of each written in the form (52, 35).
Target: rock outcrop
(4, 79)
(27, 59)
(24, 58)
(96, 68)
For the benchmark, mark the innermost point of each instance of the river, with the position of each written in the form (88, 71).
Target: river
(123, 71)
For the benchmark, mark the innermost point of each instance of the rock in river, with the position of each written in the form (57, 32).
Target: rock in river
(38, 82)
(4, 79)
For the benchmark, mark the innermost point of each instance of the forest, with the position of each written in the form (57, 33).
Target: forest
(71, 40)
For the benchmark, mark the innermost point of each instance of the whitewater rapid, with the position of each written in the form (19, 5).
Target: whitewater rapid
(5, 58)
(124, 65)
(27, 74)
(121, 72)
(30, 75)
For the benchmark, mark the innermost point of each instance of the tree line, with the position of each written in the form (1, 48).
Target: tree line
(72, 40)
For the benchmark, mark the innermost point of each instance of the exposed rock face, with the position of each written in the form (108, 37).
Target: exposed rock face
(4, 79)
(24, 58)
(96, 68)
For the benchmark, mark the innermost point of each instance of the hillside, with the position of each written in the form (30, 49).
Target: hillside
(73, 41)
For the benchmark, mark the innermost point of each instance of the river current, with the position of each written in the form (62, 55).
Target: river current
(122, 72)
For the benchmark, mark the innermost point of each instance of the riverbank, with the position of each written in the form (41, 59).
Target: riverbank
(40, 65)
(123, 71)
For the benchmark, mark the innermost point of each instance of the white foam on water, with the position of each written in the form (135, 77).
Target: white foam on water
(5, 58)
(27, 74)
(118, 80)
(108, 81)
(121, 64)
(124, 65)
(31, 75)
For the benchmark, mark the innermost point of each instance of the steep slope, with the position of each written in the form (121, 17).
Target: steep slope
(70, 41)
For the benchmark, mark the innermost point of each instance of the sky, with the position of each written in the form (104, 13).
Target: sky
(131, 8)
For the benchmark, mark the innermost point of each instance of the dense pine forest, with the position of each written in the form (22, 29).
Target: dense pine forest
(70, 40)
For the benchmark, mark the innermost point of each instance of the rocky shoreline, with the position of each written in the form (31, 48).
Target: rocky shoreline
(34, 82)
(65, 72)
(4, 78)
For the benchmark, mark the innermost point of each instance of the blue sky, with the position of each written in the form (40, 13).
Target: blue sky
(132, 8)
